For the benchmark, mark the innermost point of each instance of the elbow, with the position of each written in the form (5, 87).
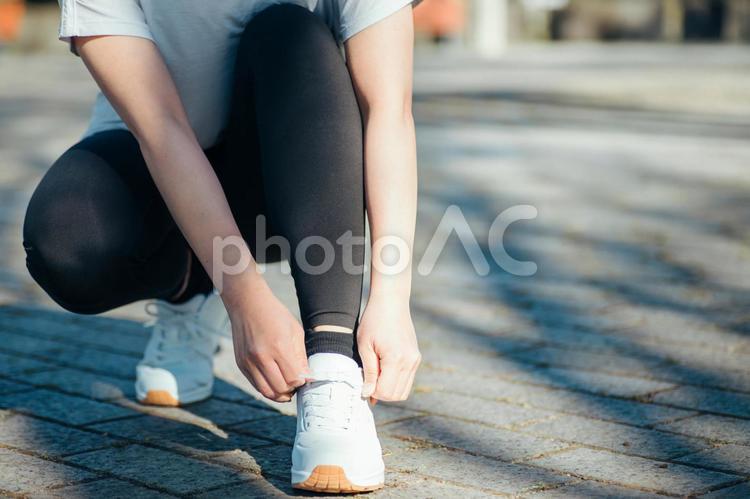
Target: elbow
(394, 110)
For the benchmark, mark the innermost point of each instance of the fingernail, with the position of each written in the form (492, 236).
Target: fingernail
(368, 389)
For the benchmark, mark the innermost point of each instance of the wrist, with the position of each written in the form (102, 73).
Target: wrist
(390, 288)
(244, 289)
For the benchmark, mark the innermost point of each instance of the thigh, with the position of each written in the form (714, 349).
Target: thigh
(97, 232)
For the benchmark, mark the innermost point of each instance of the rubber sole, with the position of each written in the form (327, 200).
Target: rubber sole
(159, 397)
(332, 480)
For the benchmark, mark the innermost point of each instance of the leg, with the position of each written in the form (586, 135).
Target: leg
(97, 234)
(294, 98)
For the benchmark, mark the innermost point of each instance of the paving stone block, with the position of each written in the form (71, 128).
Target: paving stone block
(617, 437)
(216, 444)
(595, 406)
(46, 438)
(65, 408)
(387, 412)
(7, 386)
(636, 472)
(109, 488)
(484, 440)
(704, 399)
(474, 409)
(594, 382)
(22, 474)
(721, 428)
(158, 469)
(739, 491)
(725, 458)
(96, 386)
(590, 490)
(14, 365)
(211, 411)
(98, 361)
(280, 428)
(569, 358)
(472, 471)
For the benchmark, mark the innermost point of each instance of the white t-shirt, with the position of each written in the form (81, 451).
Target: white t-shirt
(198, 40)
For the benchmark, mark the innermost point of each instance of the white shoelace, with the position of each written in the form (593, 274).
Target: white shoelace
(329, 398)
(176, 332)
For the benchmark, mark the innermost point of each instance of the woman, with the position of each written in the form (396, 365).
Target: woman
(212, 114)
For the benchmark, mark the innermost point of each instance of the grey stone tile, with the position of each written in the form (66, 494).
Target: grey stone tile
(46, 438)
(484, 440)
(217, 444)
(725, 457)
(159, 469)
(11, 387)
(22, 474)
(637, 472)
(418, 487)
(252, 488)
(472, 471)
(617, 437)
(211, 411)
(280, 428)
(594, 382)
(722, 428)
(585, 404)
(474, 409)
(14, 365)
(591, 490)
(739, 491)
(66, 408)
(704, 399)
(107, 363)
(386, 412)
(109, 488)
(96, 386)
(568, 358)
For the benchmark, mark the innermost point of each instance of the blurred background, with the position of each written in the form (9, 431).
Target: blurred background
(626, 123)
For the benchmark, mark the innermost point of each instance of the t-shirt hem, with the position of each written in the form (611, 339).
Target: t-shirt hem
(386, 10)
(116, 28)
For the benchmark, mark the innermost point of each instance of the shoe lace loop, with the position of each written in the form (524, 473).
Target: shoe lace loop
(175, 332)
(329, 398)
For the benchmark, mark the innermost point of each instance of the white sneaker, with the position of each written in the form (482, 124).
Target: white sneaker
(336, 448)
(177, 366)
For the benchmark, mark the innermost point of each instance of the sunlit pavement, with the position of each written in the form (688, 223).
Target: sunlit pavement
(620, 368)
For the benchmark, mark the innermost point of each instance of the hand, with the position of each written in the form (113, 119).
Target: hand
(269, 343)
(388, 347)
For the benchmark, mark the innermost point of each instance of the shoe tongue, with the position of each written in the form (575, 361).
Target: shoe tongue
(331, 362)
(194, 304)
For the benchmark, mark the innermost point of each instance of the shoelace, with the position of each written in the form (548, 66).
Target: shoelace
(175, 331)
(329, 404)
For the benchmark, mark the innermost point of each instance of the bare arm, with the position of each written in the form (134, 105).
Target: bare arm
(133, 76)
(380, 62)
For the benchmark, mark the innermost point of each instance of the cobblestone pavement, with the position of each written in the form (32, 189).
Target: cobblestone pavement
(621, 369)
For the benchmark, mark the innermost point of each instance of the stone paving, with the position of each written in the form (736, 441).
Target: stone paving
(620, 369)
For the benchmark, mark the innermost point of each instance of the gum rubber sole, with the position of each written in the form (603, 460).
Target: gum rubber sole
(160, 397)
(332, 479)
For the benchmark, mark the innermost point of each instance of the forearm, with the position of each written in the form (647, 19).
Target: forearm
(195, 198)
(391, 193)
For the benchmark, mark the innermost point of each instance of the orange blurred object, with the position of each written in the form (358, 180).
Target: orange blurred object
(11, 16)
(440, 18)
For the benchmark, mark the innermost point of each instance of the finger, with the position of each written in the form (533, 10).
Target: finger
(272, 373)
(258, 381)
(370, 368)
(409, 383)
(291, 369)
(388, 381)
(264, 387)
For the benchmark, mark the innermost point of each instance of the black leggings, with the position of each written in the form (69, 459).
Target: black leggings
(98, 234)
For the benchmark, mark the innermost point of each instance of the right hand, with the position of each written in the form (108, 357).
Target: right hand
(269, 343)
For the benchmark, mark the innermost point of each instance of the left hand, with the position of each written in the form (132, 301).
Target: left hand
(388, 347)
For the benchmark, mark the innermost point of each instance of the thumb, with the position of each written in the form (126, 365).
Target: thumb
(371, 369)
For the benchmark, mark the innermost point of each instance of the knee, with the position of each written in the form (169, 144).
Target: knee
(68, 254)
